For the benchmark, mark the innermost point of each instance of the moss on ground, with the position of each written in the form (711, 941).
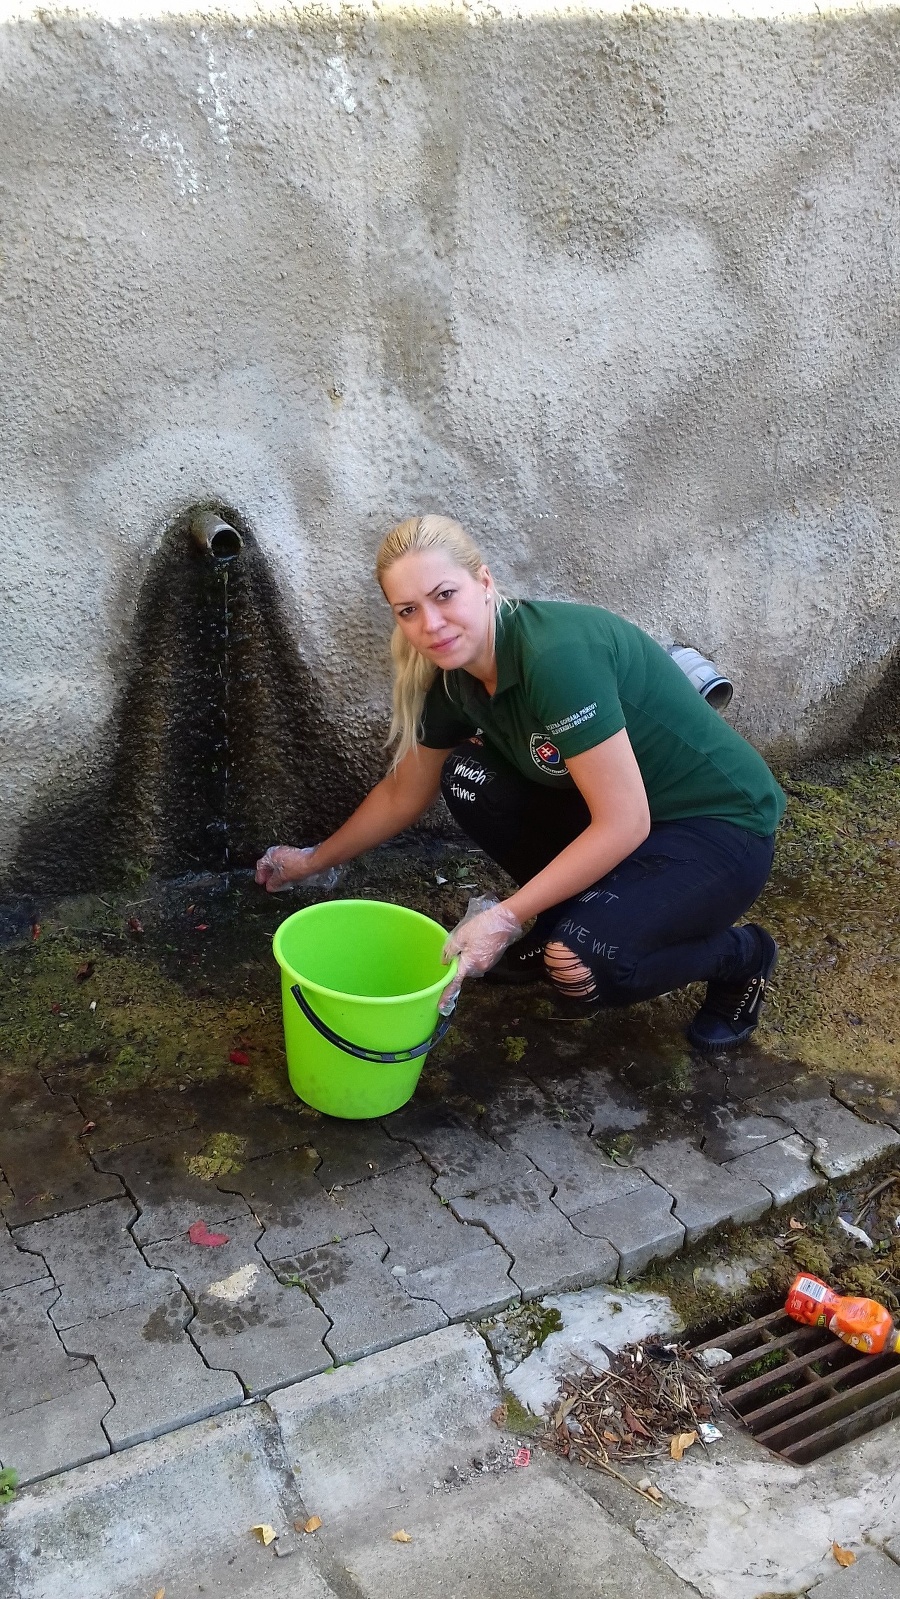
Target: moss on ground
(222, 1153)
(832, 905)
(176, 998)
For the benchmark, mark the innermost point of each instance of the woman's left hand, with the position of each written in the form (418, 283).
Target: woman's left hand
(478, 941)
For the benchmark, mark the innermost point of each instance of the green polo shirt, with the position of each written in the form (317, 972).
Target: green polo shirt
(569, 677)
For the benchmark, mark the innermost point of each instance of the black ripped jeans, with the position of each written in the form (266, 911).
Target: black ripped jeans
(662, 919)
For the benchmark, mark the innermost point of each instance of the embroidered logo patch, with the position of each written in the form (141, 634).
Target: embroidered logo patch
(546, 755)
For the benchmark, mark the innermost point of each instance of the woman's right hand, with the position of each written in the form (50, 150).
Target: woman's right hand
(282, 866)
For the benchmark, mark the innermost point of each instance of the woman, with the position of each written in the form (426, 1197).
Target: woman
(567, 744)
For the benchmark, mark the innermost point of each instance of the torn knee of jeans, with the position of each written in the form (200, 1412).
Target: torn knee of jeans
(567, 973)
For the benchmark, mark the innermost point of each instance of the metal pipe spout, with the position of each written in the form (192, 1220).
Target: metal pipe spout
(210, 532)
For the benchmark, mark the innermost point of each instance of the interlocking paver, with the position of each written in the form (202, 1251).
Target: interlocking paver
(418, 1228)
(369, 1310)
(158, 1379)
(640, 1227)
(509, 1106)
(94, 1259)
(474, 1284)
(262, 1128)
(599, 1097)
(464, 1159)
(729, 1133)
(25, 1098)
(51, 1403)
(549, 1254)
(47, 1167)
(706, 1195)
(752, 1074)
(352, 1151)
(168, 1195)
(841, 1140)
(16, 1265)
(873, 1101)
(785, 1168)
(292, 1205)
(246, 1320)
(129, 1118)
(561, 1149)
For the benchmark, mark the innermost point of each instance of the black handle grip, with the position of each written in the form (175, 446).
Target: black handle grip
(378, 1056)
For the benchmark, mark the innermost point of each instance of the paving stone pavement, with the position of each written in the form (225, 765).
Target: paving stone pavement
(345, 1238)
(246, 1321)
(842, 1141)
(157, 1377)
(548, 1253)
(784, 1167)
(169, 1198)
(706, 1195)
(639, 1226)
(368, 1308)
(296, 1211)
(52, 1404)
(44, 1154)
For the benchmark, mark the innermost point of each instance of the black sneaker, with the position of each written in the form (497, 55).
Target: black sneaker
(728, 1015)
(521, 963)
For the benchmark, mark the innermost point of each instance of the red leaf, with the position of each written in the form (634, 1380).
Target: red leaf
(239, 1058)
(55, 1009)
(199, 1233)
(202, 927)
(35, 930)
(135, 925)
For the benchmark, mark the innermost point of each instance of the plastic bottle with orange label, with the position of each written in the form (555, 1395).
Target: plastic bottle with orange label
(862, 1323)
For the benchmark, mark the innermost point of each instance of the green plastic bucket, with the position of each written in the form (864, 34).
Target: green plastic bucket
(360, 984)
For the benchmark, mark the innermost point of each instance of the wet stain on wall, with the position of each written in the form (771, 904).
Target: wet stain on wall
(221, 746)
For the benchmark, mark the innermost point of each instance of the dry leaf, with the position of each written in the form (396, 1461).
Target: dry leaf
(499, 1415)
(264, 1533)
(160, 1593)
(632, 1421)
(844, 1557)
(563, 1408)
(313, 1524)
(400, 1537)
(797, 1226)
(680, 1443)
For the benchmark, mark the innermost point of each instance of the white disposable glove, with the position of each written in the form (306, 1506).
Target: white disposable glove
(283, 868)
(487, 929)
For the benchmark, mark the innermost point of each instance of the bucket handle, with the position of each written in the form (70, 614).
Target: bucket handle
(380, 1057)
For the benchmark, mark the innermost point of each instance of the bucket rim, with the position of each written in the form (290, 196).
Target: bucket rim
(338, 993)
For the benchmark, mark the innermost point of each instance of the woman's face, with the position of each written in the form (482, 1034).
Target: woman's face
(445, 612)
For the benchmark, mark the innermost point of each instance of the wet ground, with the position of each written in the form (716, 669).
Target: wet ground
(156, 986)
(143, 1089)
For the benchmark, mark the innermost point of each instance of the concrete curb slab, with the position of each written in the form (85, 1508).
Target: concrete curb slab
(354, 1434)
(127, 1523)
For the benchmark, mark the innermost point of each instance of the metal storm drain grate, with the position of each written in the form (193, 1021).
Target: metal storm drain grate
(802, 1392)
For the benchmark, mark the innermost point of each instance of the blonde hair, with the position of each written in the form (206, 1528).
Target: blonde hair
(413, 673)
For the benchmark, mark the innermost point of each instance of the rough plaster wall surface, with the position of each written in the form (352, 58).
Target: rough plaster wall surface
(617, 289)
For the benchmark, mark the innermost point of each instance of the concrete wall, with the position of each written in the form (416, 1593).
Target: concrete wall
(619, 290)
